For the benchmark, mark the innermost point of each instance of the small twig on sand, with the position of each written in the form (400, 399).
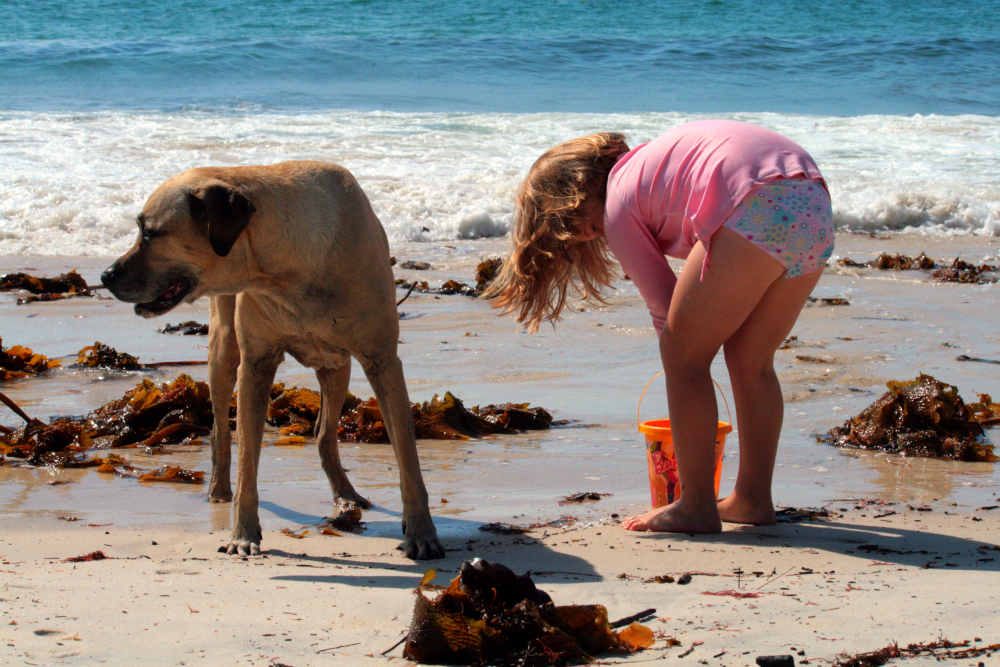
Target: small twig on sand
(775, 578)
(13, 406)
(388, 650)
(688, 652)
(334, 648)
(634, 617)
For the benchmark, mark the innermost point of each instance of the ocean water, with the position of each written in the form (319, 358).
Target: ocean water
(439, 108)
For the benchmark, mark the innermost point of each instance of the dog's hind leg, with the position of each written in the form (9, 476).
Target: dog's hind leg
(333, 387)
(385, 374)
(255, 376)
(223, 361)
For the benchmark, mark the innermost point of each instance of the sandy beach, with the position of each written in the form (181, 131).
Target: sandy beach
(908, 555)
(857, 582)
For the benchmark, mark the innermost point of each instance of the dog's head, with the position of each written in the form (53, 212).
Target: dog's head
(185, 228)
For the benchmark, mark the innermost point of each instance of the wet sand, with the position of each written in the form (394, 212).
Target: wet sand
(590, 371)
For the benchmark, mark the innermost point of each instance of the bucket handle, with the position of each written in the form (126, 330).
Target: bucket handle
(638, 421)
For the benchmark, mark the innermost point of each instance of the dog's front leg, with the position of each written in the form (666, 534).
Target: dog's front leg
(333, 386)
(385, 375)
(223, 360)
(256, 373)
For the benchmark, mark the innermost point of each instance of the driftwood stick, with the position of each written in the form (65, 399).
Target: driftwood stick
(413, 285)
(628, 620)
(13, 406)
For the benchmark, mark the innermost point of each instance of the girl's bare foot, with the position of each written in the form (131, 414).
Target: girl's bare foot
(737, 509)
(675, 518)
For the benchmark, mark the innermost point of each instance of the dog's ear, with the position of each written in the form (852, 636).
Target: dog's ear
(225, 212)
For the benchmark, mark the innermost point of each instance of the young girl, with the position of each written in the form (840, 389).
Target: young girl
(750, 213)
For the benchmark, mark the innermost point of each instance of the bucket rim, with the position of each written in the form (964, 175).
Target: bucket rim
(655, 426)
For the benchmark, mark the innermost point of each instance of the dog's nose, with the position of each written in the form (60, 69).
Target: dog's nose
(108, 276)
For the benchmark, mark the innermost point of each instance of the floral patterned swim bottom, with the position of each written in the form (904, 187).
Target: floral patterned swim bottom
(790, 220)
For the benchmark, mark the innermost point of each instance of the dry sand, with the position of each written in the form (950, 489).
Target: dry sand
(856, 582)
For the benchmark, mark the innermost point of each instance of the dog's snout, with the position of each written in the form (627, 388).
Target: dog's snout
(108, 276)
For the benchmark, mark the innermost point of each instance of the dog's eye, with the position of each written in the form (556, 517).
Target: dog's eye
(150, 234)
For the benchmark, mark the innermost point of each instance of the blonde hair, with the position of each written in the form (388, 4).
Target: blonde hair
(545, 260)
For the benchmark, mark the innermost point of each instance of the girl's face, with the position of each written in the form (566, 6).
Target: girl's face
(591, 222)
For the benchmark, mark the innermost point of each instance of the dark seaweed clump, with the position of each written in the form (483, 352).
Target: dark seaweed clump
(489, 615)
(923, 417)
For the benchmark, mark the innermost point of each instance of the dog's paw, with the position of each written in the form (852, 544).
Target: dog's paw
(421, 543)
(352, 499)
(429, 548)
(245, 542)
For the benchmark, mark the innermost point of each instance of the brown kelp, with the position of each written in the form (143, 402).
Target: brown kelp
(20, 362)
(959, 271)
(46, 289)
(489, 615)
(442, 419)
(923, 417)
(963, 272)
(67, 283)
(486, 271)
(100, 355)
(151, 415)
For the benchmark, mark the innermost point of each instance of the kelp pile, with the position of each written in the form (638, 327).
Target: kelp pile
(486, 271)
(923, 417)
(959, 272)
(447, 287)
(441, 419)
(151, 415)
(46, 289)
(119, 466)
(964, 272)
(490, 615)
(62, 444)
(145, 416)
(20, 362)
(886, 262)
(100, 355)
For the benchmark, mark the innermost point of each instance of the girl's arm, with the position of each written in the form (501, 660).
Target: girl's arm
(634, 246)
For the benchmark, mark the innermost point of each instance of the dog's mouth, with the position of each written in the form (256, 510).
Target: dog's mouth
(170, 298)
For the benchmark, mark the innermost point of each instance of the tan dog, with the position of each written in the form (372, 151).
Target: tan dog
(295, 261)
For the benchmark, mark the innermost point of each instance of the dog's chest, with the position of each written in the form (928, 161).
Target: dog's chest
(313, 351)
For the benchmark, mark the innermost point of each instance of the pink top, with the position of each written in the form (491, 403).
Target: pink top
(679, 188)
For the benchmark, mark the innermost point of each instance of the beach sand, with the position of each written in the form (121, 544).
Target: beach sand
(812, 590)
(590, 371)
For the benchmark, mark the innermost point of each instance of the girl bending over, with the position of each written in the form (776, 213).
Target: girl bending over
(749, 212)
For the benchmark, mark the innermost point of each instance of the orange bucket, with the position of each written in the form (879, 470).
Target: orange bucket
(664, 481)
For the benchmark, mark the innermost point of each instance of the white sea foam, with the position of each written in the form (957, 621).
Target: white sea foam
(72, 184)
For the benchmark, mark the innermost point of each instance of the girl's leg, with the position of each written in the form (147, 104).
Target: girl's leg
(759, 406)
(703, 315)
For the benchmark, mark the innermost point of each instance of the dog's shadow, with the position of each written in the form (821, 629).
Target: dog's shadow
(462, 541)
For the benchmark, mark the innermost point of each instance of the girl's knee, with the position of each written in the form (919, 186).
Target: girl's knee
(749, 363)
